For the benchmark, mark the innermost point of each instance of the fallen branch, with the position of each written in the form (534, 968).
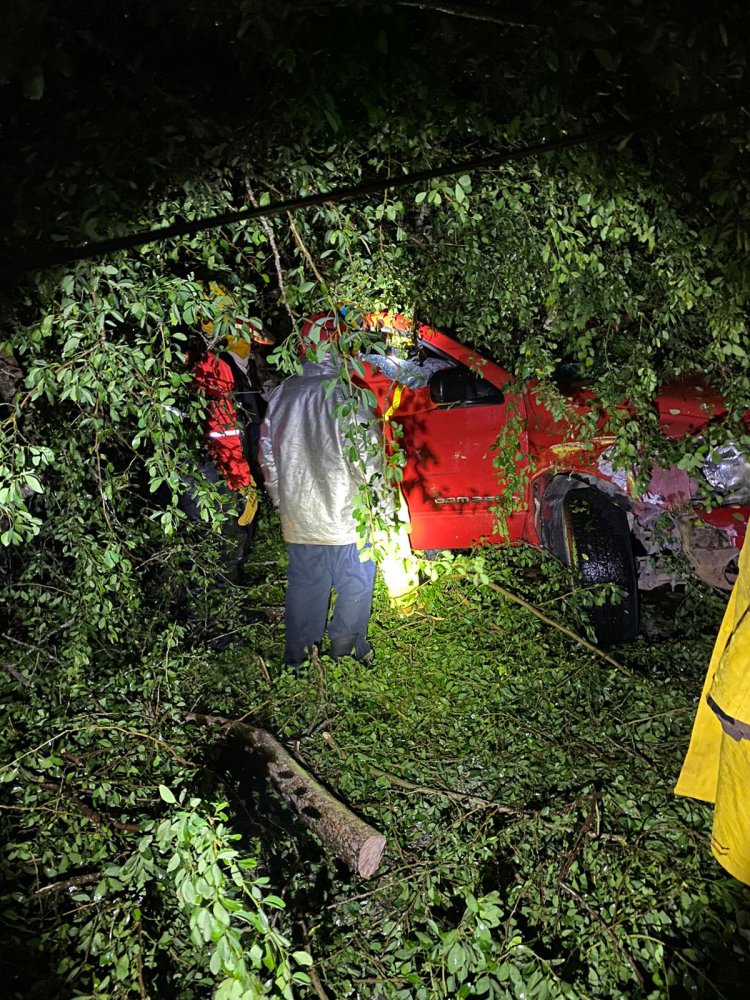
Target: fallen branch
(510, 596)
(355, 842)
(446, 793)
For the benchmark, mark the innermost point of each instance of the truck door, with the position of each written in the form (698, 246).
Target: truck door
(450, 483)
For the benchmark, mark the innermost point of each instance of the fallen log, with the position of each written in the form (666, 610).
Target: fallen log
(356, 843)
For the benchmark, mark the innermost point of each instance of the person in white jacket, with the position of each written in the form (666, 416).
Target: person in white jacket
(314, 461)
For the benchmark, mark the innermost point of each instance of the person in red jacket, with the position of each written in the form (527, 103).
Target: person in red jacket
(224, 462)
(224, 435)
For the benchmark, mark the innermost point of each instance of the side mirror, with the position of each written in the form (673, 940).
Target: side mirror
(460, 385)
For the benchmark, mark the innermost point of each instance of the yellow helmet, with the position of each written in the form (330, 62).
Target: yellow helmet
(221, 300)
(246, 331)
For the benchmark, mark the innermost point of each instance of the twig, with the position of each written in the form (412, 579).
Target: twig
(263, 669)
(605, 927)
(632, 752)
(488, 14)
(99, 478)
(311, 971)
(143, 736)
(333, 745)
(300, 243)
(320, 718)
(582, 833)
(266, 226)
(16, 674)
(29, 645)
(316, 983)
(446, 793)
(141, 984)
(472, 13)
(91, 814)
(660, 715)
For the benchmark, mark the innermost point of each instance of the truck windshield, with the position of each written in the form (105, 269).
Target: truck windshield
(414, 371)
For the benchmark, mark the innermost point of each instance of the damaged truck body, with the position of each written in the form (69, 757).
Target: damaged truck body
(454, 409)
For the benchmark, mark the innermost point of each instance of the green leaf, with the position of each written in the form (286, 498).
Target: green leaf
(167, 795)
(274, 902)
(33, 483)
(33, 83)
(215, 962)
(122, 969)
(456, 958)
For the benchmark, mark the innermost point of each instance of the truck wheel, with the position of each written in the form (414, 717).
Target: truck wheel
(598, 544)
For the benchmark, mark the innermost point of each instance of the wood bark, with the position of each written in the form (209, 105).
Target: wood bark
(356, 843)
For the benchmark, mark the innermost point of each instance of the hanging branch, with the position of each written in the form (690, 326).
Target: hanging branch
(98, 248)
(266, 226)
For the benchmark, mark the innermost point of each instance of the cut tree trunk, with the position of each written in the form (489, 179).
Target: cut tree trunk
(358, 844)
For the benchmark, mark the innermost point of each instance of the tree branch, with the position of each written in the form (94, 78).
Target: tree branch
(510, 596)
(94, 249)
(69, 883)
(351, 839)
(469, 12)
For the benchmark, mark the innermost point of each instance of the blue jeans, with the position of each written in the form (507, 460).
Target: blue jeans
(313, 571)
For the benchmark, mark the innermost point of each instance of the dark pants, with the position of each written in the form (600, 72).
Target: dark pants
(313, 571)
(235, 539)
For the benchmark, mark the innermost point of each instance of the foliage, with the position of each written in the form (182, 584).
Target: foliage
(514, 470)
(100, 880)
(207, 873)
(628, 259)
(607, 258)
(523, 785)
(523, 791)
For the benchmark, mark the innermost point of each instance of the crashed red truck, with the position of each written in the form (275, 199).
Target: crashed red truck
(451, 404)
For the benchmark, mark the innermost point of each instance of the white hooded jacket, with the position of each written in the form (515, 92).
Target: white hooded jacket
(312, 470)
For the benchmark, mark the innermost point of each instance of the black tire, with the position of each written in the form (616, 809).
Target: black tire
(597, 539)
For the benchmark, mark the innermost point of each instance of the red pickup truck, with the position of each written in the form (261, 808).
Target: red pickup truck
(453, 405)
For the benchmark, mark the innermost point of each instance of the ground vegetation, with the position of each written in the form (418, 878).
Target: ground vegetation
(523, 783)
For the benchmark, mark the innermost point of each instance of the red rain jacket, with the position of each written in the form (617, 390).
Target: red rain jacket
(223, 435)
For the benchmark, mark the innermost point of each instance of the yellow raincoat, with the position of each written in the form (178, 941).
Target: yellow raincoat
(717, 766)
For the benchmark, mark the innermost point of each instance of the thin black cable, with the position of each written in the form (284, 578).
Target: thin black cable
(90, 251)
